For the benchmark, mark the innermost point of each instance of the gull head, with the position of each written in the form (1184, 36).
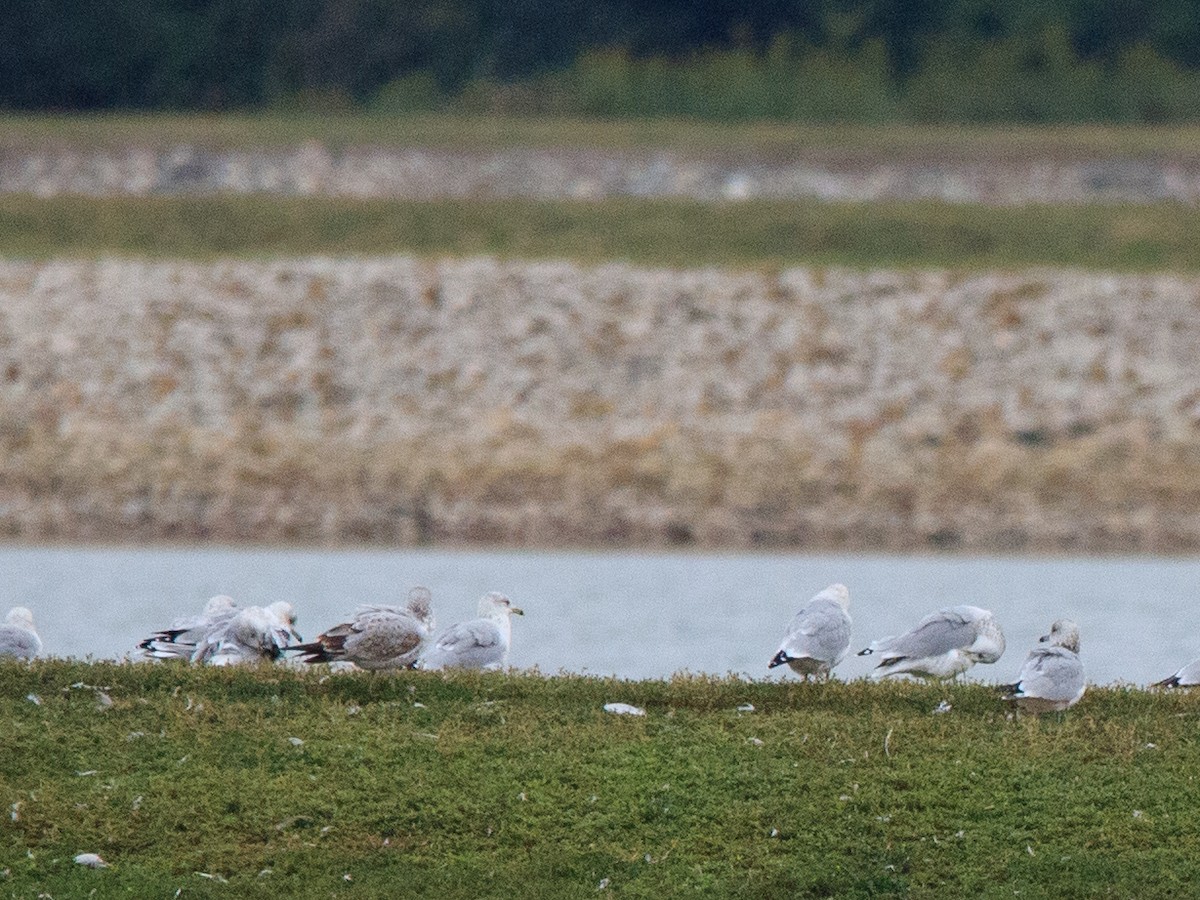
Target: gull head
(420, 604)
(19, 616)
(989, 644)
(837, 593)
(282, 613)
(1063, 633)
(219, 604)
(495, 603)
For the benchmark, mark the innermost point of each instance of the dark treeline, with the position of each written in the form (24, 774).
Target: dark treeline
(825, 60)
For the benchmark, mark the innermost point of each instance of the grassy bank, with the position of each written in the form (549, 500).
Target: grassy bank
(273, 783)
(649, 232)
(834, 142)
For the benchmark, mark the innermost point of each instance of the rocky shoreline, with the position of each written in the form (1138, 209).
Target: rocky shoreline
(406, 401)
(425, 174)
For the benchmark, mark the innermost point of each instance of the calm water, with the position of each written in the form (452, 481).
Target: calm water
(627, 614)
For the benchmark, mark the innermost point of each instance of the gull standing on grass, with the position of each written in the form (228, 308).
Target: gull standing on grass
(1052, 678)
(1188, 676)
(818, 637)
(378, 637)
(479, 643)
(181, 639)
(943, 645)
(17, 635)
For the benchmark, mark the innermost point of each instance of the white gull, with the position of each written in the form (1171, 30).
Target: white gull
(942, 645)
(18, 637)
(480, 643)
(818, 637)
(1052, 678)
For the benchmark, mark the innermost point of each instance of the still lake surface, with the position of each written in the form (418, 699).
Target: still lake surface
(626, 614)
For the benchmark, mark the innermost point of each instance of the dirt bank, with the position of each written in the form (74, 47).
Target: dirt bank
(402, 401)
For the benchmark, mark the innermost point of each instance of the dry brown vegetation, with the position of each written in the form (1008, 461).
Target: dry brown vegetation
(404, 401)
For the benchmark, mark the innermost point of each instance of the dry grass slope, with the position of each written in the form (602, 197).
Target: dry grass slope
(402, 400)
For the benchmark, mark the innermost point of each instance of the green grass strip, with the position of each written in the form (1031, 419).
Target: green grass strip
(277, 783)
(478, 132)
(647, 232)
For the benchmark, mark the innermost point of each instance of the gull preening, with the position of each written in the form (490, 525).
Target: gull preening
(186, 634)
(225, 634)
(18, 637)
(942, 645)
(253, 634)
(480, 643)
(378, 637)
(1052, 678)
(1188, 676)
(818, 637)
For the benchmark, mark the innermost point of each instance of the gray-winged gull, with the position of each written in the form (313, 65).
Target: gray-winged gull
(185, 634)
(818, 637)
(18, 637)
(378, 636)
(1052, 678)
(253, 634)
(1188, 676)
(942, 645)
(480, 643)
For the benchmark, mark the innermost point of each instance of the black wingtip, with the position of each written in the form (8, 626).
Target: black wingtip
(777, 660)
(866, 651)
(313, 653)
(1171, 682)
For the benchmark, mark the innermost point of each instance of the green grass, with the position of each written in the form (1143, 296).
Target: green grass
(650, 232)
(519, 785)
(835, 142)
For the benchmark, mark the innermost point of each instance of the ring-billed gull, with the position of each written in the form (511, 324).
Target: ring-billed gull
(479, 643)
(254, 634)
(943, 645)
(1188, 676)
(185, 635)
(18, 637)
(378, 637)
(818, 637)
(1052, 678)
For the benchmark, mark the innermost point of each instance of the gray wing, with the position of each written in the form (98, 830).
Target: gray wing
(934, 635)
(1051, 673)
(185, 635)
(470, 645)
(819, 631)
(1189, 675)
(17, 641)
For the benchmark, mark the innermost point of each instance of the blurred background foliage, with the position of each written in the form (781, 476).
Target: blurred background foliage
(954, 61)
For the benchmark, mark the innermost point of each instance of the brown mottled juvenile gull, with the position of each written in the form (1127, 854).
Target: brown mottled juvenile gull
(480, 643)
(18, 637)
(1052, 678)
(942, 645)
(378, 637)
(818, 637)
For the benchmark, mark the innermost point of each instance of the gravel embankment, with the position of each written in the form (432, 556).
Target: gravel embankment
(414, 173)
(399, 400)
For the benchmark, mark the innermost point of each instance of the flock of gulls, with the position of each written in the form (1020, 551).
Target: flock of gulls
(376, 637)
(942, 645)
